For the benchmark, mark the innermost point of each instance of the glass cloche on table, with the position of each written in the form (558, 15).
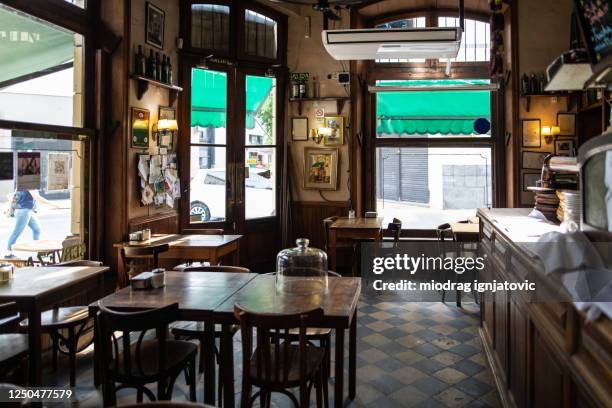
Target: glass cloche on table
(301, 270)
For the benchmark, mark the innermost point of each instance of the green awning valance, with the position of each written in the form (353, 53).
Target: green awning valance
(209, 98)
(28, 45)
(422, 113)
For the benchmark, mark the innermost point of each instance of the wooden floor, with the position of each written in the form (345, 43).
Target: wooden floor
(409, 355)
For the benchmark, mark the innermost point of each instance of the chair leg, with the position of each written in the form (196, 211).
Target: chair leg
(262, 398)
(192, 380)
(139, 395)
(72, 346)
(201, 362)
(55, 339)
(245, 395)
(319, 386)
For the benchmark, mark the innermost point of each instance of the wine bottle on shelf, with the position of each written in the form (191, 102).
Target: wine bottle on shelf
(169, 67)
(150, 65)
(140, 62)
(158, 67)
(164, 70)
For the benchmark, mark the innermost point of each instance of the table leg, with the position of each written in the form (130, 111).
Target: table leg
(209, 363)
(237, 255)
(227, 366)
(214, 258)
(332, 248)
(353, 357)
(34, 344)
(339, 369)
(120, 269)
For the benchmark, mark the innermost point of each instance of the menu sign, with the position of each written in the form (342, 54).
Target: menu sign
(596, 20)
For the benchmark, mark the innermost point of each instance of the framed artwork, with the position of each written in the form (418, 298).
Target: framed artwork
(533, 160)
(166, 112)
(567, 124)
(140, 128)
(336, 137)
(320, 168)
(531, 132)
(154, 25)
(564, 147)
(299, 129)
(530, 179)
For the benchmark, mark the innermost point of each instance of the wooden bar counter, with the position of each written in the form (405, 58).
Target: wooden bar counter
(542, 354)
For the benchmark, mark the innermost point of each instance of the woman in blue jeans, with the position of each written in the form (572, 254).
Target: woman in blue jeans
(25, 215)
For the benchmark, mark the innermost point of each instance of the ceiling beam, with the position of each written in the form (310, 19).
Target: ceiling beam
(285, 8)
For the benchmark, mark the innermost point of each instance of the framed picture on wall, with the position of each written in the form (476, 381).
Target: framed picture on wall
(565, 147)
(154, 25)
(299, 129)
(140, 128)
(320, 168)
(530, 179)
(533, 160)
(567, 124)
(336, 132)
(531, 133)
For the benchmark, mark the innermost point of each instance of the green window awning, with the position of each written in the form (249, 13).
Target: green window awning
(423, 113)
(28, 45)
(209, 98)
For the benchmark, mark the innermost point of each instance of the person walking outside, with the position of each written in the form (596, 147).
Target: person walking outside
(24, 203)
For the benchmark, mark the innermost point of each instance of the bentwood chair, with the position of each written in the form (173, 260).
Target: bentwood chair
(149, 253)
(276, 364)
(66, 326)
(195, 330)
(13, 346)
(151, 359)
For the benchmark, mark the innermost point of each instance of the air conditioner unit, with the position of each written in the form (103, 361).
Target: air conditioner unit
(383, 43)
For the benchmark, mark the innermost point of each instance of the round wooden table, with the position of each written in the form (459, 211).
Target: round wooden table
(41, 248)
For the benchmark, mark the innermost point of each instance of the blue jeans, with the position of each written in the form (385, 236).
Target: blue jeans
(23, 217)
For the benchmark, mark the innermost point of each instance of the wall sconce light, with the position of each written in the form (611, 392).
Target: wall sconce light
(164, 131)
(549, 132)
(317, 134)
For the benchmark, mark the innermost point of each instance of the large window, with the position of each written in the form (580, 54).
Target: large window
(260, 147)
(210, 27)
(208, 172)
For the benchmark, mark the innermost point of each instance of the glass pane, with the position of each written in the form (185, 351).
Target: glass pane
(433, 114)
(210, 26)
(208, 106)
(416, 22)
(40, 71)
(260, 35)
(207, 184)
(260, 182)
(260, 111)
(42, 174)
(427, 187)
(78, 3)
(475, 43)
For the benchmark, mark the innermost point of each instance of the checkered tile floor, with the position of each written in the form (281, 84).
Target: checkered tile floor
(409, 355)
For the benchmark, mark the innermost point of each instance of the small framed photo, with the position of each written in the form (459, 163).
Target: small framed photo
(336, 124)
(299, 129)
(567, 124)
(154, 25)
(140, 128)
(565, 147)
(320, 168)
(530, 180)
(531, 133)
(533, 160)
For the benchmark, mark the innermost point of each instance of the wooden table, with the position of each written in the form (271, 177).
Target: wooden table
(41, 247)
(340, 313)
(185, 248)
(38, 289)
(353, 228)
(466, 231)
(210, 297)
(197, 293)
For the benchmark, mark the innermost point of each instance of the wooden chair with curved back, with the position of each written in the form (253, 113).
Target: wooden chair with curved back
(276, 364)
(148, 360)
(67, 325)
(149, 253)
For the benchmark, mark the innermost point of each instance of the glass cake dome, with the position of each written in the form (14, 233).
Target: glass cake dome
(301, 270)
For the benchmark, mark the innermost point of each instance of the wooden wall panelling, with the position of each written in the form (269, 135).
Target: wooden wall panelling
(308, 219)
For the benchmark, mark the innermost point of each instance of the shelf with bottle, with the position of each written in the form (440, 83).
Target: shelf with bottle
(154, 70)
(340, 101)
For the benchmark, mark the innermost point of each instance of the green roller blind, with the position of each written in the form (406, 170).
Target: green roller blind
(28, 45)
(439, 112)
(209, 98)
